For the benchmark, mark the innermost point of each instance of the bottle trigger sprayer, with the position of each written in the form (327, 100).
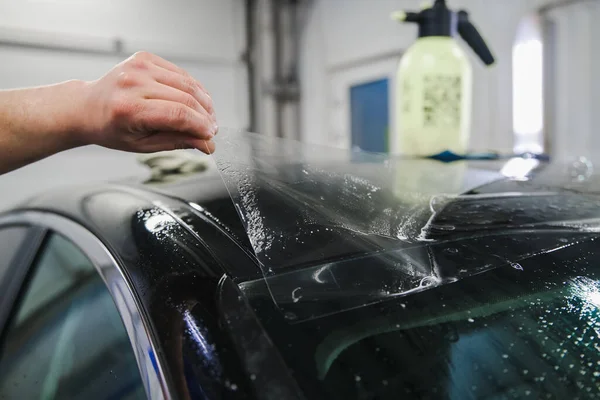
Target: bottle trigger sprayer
(434, 83)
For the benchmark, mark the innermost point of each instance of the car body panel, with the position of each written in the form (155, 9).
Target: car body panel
(175, 277)
(219, 333)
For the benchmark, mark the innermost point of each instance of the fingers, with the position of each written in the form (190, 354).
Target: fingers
(170, 116)
(184, 83)
(152, 105)
(166, 141)
(157, 91)
(161, 62)
(170, 74)
(205, 146)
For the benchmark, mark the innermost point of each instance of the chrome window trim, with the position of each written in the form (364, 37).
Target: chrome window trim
(146, 354)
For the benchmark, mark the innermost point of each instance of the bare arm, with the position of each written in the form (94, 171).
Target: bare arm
(145, 104)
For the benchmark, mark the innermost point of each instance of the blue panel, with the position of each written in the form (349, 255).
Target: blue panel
(369, 108)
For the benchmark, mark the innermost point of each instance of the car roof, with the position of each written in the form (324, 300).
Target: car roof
(213, 212)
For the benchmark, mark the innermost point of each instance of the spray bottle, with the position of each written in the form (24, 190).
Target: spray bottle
(434, 83)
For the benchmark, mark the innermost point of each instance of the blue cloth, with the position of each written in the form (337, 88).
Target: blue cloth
(448, 156)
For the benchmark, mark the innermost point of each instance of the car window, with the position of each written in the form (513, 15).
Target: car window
(66, 339)
(10, 240)
(530, 331)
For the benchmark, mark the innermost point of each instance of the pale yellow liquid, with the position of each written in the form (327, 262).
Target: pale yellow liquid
(434, 91)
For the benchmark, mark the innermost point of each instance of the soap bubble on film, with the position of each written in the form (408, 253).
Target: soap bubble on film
(516, 266)
(429, 281)
(295, 295)
(581, 169)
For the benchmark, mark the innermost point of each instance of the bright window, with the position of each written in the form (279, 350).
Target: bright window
(528, 106)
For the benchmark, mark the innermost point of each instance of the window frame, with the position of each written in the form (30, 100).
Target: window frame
(42, 225)
(18, 268)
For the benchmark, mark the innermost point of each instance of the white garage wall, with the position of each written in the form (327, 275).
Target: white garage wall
(204, 36)
(347, 34)
(204, 26)
(575, 122)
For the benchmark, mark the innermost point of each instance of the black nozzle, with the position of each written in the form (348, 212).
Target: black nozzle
(438, 21)
(412, 17)
(469, 33)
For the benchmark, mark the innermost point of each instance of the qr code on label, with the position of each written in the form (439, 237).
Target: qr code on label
(442, 97)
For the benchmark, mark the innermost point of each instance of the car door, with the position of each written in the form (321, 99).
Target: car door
(73, 330)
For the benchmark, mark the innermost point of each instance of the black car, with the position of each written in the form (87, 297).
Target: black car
(294, 290)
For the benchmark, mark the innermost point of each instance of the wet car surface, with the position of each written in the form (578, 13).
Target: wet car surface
(504, 304)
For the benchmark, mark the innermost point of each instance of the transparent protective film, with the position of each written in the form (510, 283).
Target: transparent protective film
(337, 229)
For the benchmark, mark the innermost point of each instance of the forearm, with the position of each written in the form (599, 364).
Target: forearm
(38, 122)
(144, 104)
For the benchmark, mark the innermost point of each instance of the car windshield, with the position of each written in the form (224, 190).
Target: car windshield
(396, 276)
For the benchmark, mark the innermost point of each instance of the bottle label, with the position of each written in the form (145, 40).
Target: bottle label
(442, 100)
(432, 114)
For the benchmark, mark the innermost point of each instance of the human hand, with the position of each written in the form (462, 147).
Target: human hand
(146, 104)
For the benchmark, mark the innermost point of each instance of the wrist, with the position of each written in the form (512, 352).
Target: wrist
(70, 122)
(49, 117)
